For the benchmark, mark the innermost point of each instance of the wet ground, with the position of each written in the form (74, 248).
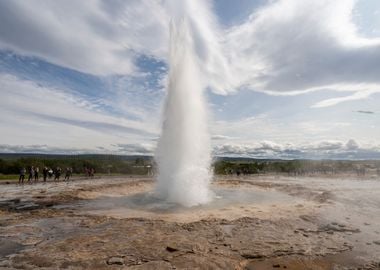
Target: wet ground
(253, 223)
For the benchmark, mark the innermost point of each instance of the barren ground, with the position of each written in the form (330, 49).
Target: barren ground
(253, 223)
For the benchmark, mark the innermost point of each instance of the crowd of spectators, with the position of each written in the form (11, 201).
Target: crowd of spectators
(49, 174)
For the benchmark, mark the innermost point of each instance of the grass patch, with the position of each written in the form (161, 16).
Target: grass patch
(8, 177)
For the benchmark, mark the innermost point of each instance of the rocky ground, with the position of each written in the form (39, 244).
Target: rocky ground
(308, 223)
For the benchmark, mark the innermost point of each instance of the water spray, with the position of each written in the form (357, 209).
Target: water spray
(183, 154)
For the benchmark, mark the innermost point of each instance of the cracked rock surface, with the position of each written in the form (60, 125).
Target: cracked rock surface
(301, 234)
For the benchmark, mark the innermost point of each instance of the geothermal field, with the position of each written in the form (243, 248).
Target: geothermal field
(186, 218)
(212, 128)
(262, 222)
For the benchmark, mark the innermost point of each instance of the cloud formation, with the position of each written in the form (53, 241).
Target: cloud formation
(97, 71)
(264, 149)
(318, 150)
(45, 149)
(33, 114)
(96, 36)
(295, 46)
(285, 47)
(136, 149)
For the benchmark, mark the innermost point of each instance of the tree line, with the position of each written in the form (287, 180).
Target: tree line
(144, 165)
(101, 164)
(297, 167)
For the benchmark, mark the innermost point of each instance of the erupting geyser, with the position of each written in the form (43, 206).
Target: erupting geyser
(183, 152)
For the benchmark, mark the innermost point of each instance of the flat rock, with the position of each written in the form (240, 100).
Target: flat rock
(8, 247)
(115, 260)
(171, 249)
(337, 228)
(27, 206)
(153, 265)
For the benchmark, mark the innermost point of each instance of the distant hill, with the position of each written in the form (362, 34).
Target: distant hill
(12, 156)
(10, 163)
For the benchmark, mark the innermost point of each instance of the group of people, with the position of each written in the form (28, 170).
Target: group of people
(47, 173)
(89, 172)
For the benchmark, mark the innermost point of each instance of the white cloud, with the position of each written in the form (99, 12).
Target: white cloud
(137, 149)
(286, 47)
(105, 37)
(363, 93)
(263, 149)
(352, 145)
(119, 149)
(294, 46)
(221, 137)
(45, 149)
(32, 114)
(95, 36)
(317, 150)
(303, 128)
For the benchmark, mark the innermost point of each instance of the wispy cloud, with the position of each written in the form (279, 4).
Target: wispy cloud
(318, 150)
(294, 47)
(360, 94)
(119, 149)
(46, 149)
(284, 47)
(33, 113)
(264, 149)
(219, 137)
(99, 37)
(95, 79)
(136, 149)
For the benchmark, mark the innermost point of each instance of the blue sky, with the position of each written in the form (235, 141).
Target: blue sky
(286, 78)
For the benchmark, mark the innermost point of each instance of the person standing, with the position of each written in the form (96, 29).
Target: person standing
(31, 174)
(57, 174)
(45, 173)
(86, 172)
(36, 171)
(67, 174)
(22, 175)
(50, 173)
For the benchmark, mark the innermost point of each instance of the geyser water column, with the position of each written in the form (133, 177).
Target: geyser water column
(183, 153)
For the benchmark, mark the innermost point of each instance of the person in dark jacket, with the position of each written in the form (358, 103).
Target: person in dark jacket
(57, 174)
(68, 174)
(31, 174)
(22, 175)
(45, 173)
(36, 174)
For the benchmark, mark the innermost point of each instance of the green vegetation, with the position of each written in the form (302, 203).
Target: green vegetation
(226, 167)
(296, 167)
(10, 165)
(102, 164)
(8, 177)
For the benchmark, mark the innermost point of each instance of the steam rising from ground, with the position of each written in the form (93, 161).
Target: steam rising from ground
(183, 152)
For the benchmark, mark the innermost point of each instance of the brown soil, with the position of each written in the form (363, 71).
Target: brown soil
(53, 233)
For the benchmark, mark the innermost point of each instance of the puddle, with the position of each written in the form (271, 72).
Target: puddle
(222, 198)
(147, 204)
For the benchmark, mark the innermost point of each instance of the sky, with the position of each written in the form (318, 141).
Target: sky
(285, 78)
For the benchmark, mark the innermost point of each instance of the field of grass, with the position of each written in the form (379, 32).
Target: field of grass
(10, 165)
(4, 177)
